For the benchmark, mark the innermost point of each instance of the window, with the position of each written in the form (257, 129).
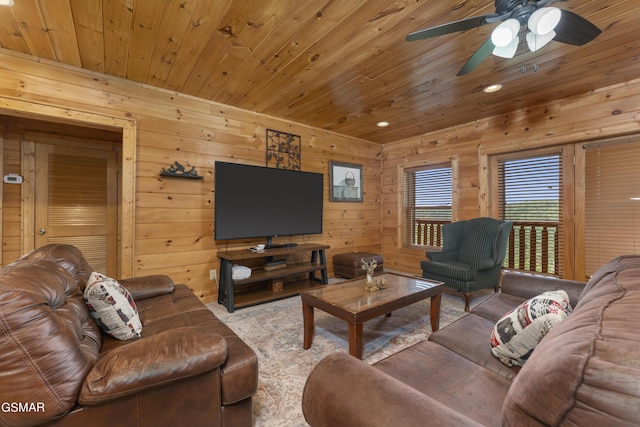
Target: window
(427, 203)
(529, 194)
(612, 202)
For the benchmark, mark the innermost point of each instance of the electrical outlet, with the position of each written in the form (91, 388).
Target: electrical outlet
(213, 274)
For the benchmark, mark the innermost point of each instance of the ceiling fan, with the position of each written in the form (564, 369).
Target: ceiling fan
(544, 23)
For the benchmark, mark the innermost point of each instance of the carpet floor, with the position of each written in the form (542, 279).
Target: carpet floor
(274, 331)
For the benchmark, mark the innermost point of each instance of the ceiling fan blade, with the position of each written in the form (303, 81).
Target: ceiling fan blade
(480, 55)
(574, 29)
(543, 3)
(451, 27)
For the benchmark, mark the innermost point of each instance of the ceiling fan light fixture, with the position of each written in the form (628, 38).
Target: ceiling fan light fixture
(508, 51)
(535, 42)
(544, 20)
(504, 34)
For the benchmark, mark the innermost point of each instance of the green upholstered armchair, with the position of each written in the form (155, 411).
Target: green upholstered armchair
(472, 255)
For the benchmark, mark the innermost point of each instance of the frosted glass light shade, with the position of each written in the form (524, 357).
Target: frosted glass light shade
(507, 51)
(504, 34)
(535, 42)
(544, 20)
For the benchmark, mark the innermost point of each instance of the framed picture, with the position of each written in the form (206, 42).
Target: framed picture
(283, 150)
(345, 182)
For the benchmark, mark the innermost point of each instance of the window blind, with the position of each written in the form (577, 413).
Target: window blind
(612, 207)
(427, 204)
(530, 195)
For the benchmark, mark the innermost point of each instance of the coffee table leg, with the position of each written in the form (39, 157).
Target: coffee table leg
(307, 316)
(355, 339)
(435, 312)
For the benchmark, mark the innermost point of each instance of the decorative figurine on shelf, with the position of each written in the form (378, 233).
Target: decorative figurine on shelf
(372, 284)
(177, 170)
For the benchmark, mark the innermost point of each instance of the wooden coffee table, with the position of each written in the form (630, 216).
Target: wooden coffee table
(350, 301)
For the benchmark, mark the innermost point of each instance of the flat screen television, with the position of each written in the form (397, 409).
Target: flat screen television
(255, 201)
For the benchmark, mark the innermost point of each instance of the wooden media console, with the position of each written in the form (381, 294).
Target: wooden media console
(268, 284)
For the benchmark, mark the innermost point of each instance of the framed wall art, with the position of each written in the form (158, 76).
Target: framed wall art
(345, 182)
(283, 150)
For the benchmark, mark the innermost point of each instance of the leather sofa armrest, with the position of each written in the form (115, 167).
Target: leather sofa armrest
(442, 256)
(151, 362)
(148, 286)
(344, 391)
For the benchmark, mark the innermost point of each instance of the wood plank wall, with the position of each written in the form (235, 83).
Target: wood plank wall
(605, 113)
(174, 218)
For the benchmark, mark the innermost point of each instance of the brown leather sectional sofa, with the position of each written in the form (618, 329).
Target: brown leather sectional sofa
(584, 372)
(57, 368)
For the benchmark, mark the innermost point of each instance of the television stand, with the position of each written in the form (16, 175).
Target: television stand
(269, 284)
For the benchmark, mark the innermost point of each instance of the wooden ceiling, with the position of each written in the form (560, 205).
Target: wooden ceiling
(335, 64)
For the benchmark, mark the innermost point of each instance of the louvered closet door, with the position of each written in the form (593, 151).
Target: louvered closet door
(76, 202)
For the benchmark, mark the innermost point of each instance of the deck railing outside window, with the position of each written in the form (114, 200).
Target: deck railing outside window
(533, 246)
(428, 232)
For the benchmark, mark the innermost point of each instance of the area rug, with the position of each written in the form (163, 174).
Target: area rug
(274, 331)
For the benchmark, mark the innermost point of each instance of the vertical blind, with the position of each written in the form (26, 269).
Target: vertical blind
(530, 194)
(427, 203)
(612, 203)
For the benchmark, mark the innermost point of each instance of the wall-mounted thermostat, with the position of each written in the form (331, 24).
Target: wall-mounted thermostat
(12, 178)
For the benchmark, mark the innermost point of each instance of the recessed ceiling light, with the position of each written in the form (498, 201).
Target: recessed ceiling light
(383, 124)
(6, 2)
(492, 88)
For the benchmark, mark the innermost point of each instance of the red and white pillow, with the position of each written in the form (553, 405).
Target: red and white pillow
(515, 336)
(112, 307)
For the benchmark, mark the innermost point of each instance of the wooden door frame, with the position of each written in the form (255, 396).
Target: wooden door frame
(128, 127)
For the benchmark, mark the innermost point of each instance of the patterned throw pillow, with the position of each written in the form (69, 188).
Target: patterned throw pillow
(112, 307)
(516, 335)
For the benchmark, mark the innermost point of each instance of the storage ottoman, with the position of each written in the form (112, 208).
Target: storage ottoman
(349, 265)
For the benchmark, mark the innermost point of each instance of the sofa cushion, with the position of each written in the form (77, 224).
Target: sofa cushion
(451, 379)
(496, 305)
(517, 334)
(112, 307)
(468, 337)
